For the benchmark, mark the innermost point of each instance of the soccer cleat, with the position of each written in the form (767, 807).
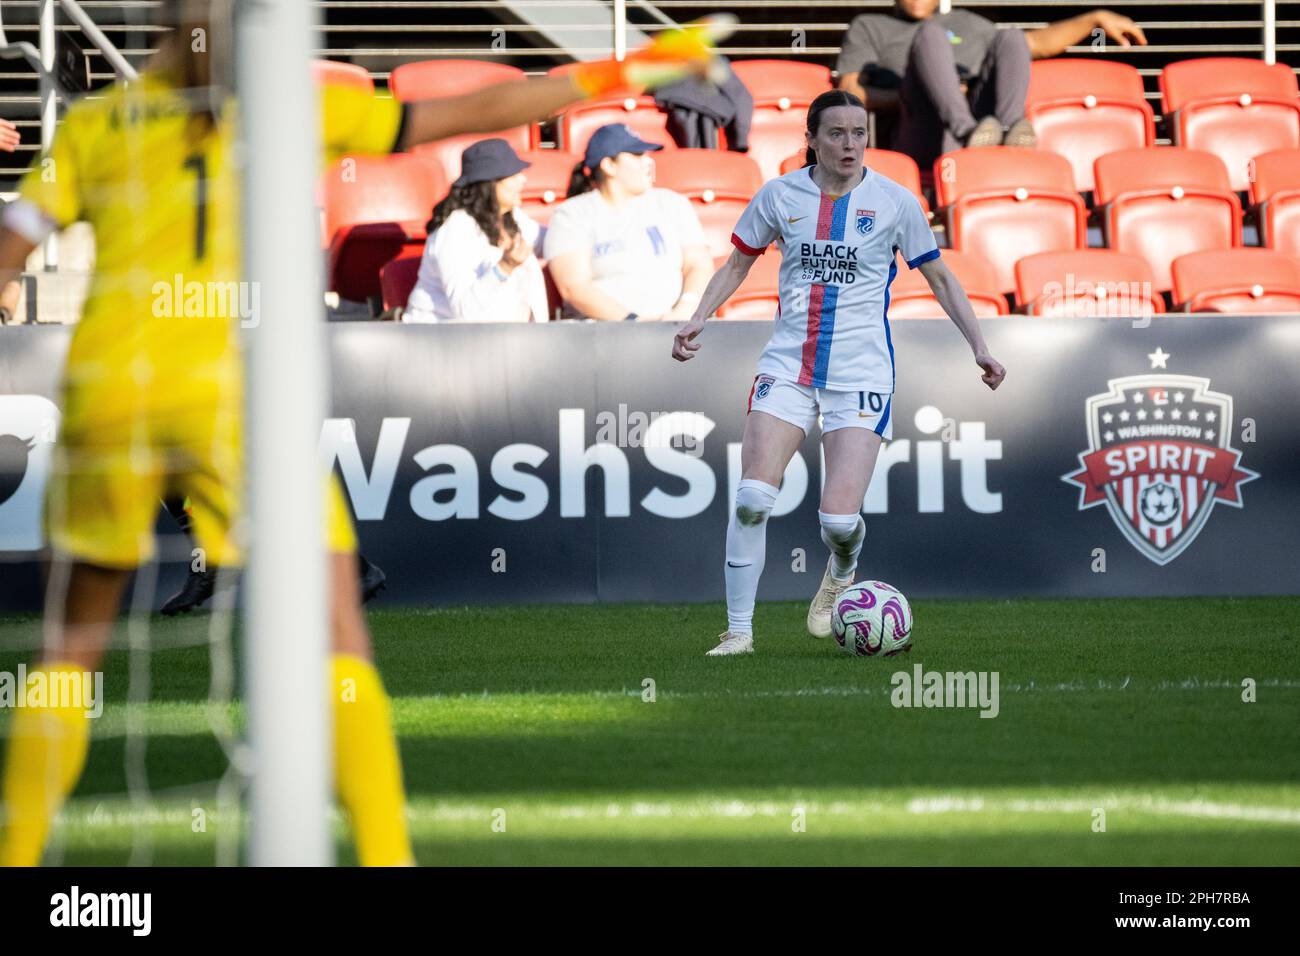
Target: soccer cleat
(198, 588)
(823, 603)
(987, 132)
(1021, 134)
(731, 642)
(373, 578)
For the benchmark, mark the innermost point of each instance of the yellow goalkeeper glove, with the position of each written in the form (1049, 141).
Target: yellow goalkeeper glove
(672, 55)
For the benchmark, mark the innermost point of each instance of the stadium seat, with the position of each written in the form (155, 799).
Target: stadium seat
(397, 278)
(1233, 107)
(375, 206)
(899, 167)
(547, 181)
(344, 74)
(782, 91)
(1082, 109)
(1004, 203)
(1085, 283)
(576, 124)
(1164, 202)
(910, 296)
(719, 185)
(1237, 280)
(759, 296)
(432, 79)
(1275, 195)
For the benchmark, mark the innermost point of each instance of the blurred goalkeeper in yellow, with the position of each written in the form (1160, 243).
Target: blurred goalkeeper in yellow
(152, 395)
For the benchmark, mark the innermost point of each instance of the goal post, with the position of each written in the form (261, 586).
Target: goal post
(286, 625)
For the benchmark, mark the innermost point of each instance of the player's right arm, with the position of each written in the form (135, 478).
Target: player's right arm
(758, 227)
(670, 56)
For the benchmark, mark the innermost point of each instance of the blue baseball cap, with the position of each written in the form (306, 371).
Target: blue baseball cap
(610, 140)
(488, 160)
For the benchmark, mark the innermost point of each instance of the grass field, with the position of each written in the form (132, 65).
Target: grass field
(526, 739)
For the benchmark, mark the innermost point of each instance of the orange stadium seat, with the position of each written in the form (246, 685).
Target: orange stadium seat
(1082, 109)
(1237, 280)
(375, 206)
(547, 181)
(782, 91)
(1233, 107)
(899, 167)
(1163, 202)
(1275, 194)
(1086, 282)
(344, 74)
(719, 185)
(1004, 203)
(431, 79)
(759, 296)
(910, 296)
(579, 121)
(397, 277)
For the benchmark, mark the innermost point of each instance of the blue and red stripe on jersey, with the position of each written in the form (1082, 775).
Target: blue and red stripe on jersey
(832, 216)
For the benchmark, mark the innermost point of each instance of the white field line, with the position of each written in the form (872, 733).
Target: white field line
(424, 812)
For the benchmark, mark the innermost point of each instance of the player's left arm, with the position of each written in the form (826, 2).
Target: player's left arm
(957, 305)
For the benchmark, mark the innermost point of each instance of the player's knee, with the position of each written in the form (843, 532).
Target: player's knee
(754, 503)
(842, 529)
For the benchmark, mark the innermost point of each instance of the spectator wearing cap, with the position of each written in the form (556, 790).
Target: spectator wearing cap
(619, 248)
(949, 80)
(479, 262)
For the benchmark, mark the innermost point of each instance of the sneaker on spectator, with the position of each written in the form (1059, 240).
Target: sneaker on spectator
(987, 132)
(1021, 133)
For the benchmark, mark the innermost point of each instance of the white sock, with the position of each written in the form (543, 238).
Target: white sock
(844, 535)
(747, 551)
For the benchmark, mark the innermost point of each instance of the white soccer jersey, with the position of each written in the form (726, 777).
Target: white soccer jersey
(838, 258)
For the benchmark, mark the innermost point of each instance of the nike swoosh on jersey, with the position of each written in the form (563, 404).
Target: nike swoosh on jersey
(730, 565)
(794, 219)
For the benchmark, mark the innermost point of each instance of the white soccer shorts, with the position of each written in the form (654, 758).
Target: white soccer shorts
(801, 404)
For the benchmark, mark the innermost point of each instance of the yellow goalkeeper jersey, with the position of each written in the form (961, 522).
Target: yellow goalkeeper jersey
(160, 189)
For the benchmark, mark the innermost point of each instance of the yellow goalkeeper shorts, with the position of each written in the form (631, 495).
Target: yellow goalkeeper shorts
(116, 458)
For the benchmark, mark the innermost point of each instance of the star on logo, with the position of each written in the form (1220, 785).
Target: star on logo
(1137, 397)
(1209, 416)
(1141, 414)
(1106, 417)
(1193, 415)
(1158, 413)
(1109, 436)
(1209, 436)
(1123, 416)
(1179, 396)
(1158, 358)
(1176, 414)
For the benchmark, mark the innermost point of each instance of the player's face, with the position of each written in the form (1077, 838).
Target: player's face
(916, 9)
(635, 172)
(841, 138)
(510, 191)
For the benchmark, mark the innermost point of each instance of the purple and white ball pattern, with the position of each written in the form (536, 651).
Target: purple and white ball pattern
(872, 618)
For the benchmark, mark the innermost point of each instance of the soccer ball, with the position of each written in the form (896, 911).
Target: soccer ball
(872, 619)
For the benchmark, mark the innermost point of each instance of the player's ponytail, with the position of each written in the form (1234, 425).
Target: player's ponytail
(581, 181)
(818, 106)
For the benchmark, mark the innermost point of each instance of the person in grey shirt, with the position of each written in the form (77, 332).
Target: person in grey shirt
(954, 79)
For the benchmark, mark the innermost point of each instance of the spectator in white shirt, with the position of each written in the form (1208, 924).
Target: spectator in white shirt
(618, 248)
(479, 261)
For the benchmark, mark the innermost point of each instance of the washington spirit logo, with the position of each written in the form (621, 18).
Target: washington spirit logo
(1159, 460)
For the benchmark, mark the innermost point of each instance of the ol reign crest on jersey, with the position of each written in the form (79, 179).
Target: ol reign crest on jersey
(866, 219)
(1159, 460)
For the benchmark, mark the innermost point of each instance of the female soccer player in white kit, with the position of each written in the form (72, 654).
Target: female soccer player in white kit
(841, 227)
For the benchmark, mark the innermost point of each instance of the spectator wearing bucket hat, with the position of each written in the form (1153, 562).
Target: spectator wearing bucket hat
(479, 262)
(619, 248)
